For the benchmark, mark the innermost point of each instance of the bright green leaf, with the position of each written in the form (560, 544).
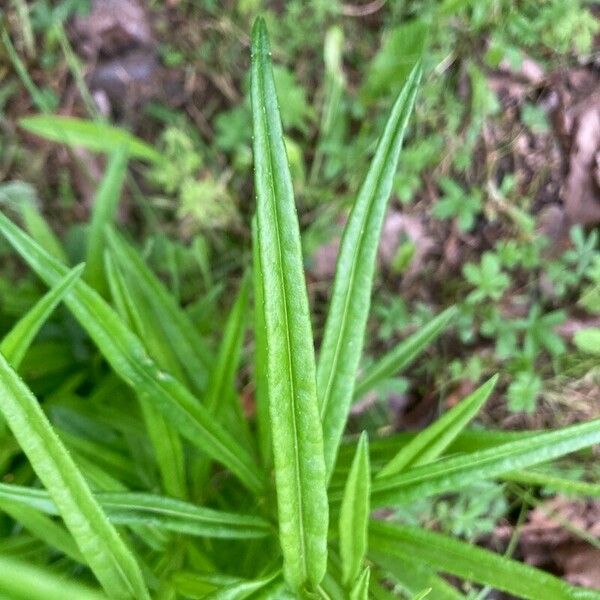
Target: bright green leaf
(105, 207)
(17, 341)
(128, 357)
(400, 357)
(351, 295)
(99, 543)
(297, 439)
(454, 473)
(354, 514)
(93, 135)
(432, 441)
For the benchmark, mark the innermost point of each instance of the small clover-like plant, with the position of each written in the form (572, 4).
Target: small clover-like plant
(458, 204)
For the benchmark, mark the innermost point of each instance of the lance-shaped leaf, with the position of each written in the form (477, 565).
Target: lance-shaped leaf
(432, 441)
(99, 543)
(351, 296)
(93, 135)
(168, 449)
(413, 576)
(554, 482)
(105, 207)
(172, 325)
(464, 560)
(360, 590)
(354, 514)
(20, 581)
(133, 508)
(222, 378)
(44, 528)
(454, 473)
(296, 429)
(403, 354)
(17, 341)
(129, 359)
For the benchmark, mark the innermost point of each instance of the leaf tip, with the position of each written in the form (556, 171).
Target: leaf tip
(260, 38)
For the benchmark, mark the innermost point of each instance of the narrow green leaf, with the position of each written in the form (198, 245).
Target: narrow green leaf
(260, 356)
(468, 562)
(17, 341)
(20, 581)
(454, 473)
(175, 515)
(222, 379)
(128, 357)
(105, 207)
(22, 198)
(351, 295)
(242, 589)
(168, 449)
(104, 551)
(360, 590)
(173, 327)
(93, 135)
(413, 576)
(404, 353)
(554, 482)
(51, 533)
(297, 437)
(383, 449)
(432, 441)
(422, 594)
(354, 514)
(40, 231)
(132, 508)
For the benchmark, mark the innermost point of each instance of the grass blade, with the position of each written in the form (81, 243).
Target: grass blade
(360, 590)
(23, 199)
(19, 581)
(136, 508)
(242, 589)
(354, 514)
(222, 378)
(457, 472)
(93, 135)
(554, 482)
(296, 430)
(413, 576)
(168, 449)
(51, 533)
(404, 353)
(350, 300)
(17, 341)
(468, 562)
(102, 548)
(176, 330)
(105, 206)
(431, 442)
(128, 357)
